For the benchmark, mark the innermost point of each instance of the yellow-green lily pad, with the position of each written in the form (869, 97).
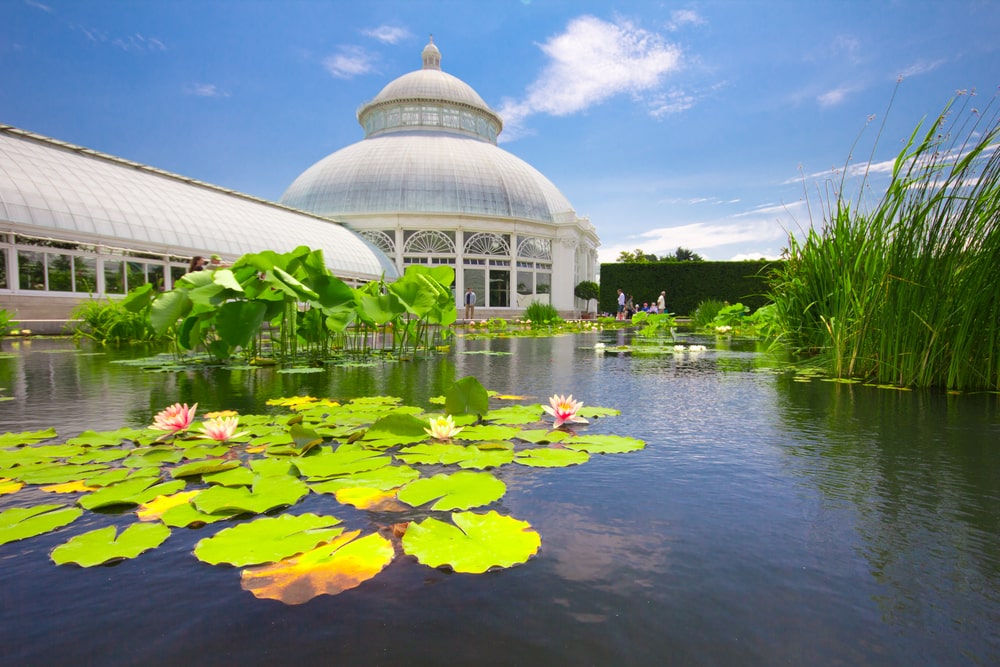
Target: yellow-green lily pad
(104, 545)
(267, 493)
(329, 569)
(461, 490)
(133, 491)
(19, 523)
(267, 540)
(383, 479)
(26, 437)
(551, 458)
(346, 460)
(605, 444)
(474, 543)
(203, 467)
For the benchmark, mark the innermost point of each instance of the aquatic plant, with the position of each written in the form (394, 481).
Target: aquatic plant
(112, 321)
(371, 453)
(443, 428)
(542, 314)
(564, 409)
(6, 321)
(905, 292)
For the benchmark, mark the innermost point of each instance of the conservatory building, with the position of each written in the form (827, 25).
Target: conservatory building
(76, 224)
(429, 185)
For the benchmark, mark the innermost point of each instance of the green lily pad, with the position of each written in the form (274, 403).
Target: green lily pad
(467, 396)
(133, 491)
(19, 523)
(605, 444)
(115, 475)
(267, 493)
(203, 467)
(488, 432)
(551, 458)
(429, 453)
(238, 476)
(383, 479)
(474, 543)
(400, 428)
(104, 545)
(346, 460)
(461, 490)
(267, 540)
(26, 437)
(58, 473)
(543, 435)
(329, 569)
(515, 414)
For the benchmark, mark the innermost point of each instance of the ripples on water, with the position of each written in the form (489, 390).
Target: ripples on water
(768, 521)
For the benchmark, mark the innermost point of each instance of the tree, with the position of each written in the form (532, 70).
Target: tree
(587, 290)
(684, 255)
(635, 257)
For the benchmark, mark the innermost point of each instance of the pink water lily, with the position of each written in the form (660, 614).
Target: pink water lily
(174, 419)
(443, 428)
(220, 428)
(565, 410)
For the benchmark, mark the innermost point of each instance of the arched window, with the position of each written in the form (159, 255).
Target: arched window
(382, 241)
(429, 242)
(535, 248)
(485, 243)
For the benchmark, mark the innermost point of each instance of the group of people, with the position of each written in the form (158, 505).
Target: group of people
(199, 263)
(627, 306)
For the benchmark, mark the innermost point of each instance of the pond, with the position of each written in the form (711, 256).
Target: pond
(771, 519)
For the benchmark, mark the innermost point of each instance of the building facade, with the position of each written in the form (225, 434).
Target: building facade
(429, 185)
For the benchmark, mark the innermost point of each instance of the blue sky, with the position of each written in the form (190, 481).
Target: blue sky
(696, 124)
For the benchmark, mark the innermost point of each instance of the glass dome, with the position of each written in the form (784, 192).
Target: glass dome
(429, 147)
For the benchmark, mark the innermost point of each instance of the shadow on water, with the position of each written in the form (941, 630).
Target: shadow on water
(768, 521)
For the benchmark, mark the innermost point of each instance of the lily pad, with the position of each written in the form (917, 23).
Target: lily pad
(474, 543)
(384, 479)
(19, 523)
(26, 437)
(326, 570)
(461, 490)
(551, 458)
(267, 493)
(203, 467)
(375, 500)
(267, 540)
(346, 460)
(130, 492)
(605, 444)
(104, 545)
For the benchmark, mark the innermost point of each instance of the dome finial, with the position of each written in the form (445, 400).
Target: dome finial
(431, 55)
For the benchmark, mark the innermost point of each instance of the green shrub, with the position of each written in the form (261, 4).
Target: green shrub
(6, 321)
(542, 314)
(705, 313)
(108, 321)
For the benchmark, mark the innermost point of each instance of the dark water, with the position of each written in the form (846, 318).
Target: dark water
(768, 522)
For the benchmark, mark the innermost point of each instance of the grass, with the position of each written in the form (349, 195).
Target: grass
(905, 292)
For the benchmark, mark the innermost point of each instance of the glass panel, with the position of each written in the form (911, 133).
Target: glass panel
(525, 282)
(499, 289)
(31, 269)
(135, 274)
(60, 273)
(543, 282)
(85, 270)
(476, 279)
(114, 277)
(176, 272)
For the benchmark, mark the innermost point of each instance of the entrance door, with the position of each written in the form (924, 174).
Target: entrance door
(499, 288)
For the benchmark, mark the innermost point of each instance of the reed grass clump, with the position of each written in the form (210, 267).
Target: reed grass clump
(907, 291)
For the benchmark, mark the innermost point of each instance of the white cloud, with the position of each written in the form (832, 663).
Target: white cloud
(206, 90)
(834, 97)
(138, 44)
(674, 101)
(350, 62)
(38, 5)
(921, 67)
(683, 17)
(592, 61)
(387, 34)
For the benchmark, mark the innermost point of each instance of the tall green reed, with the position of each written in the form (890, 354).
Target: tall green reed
(905, 291)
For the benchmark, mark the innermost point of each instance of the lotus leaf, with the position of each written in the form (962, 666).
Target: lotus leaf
(346, 460)
(467, 396)
(238, 476)
(515, 414)
(327, 570)
(26, 437)
(375, 500)
(19, 523)
(8, 486)
(461, 490)
(267, 540)
(130, 492)
(203, 467)
(605, 444)
(105, 545)
(385, 478)
(267, 493)
(474, 543)
(543, 435)
(488, 432)
(551, 458)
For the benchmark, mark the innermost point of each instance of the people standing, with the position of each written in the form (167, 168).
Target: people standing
(661, 302)
(621, 305)
(470, 303)
(197, 264)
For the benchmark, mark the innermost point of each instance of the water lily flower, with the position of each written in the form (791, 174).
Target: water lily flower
(697, 348)
(565, 410)
(221, 428)
(443, 428)
(723, 329)
(679, 348)
(174, 419)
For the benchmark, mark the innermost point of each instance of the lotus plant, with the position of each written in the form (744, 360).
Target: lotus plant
(174, 419)
(221, 428)
(565, 410)
(443, 428)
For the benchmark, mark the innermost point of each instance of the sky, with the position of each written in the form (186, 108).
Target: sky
(718, 126)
